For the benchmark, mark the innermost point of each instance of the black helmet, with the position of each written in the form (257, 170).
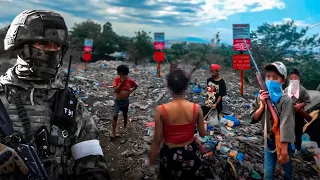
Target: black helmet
(34, 26)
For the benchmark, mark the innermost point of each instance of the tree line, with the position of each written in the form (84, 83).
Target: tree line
(282, 42)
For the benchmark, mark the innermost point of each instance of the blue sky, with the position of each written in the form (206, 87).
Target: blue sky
(177, 18)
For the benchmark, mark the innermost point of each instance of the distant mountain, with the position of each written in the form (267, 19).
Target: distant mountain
(189, 40)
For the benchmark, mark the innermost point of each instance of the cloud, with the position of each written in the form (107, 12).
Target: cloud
(169, 12)
(177, 18)
(4, 24)
(298, 23)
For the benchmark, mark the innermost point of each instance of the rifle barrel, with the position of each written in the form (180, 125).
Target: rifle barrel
(254, 62)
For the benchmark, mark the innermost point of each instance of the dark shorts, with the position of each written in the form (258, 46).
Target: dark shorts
(121, 105)
(180, 162)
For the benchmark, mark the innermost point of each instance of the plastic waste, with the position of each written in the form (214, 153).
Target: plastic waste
(209, 128)
(232, 118)
(226, 132)
(195, 89)
(223, 121)
(214, 143)
(240, 157)
(84, 97)
(233, 153)
(230, 123)
(208, 147)
(220, 138)
(150, 124)
(213, 118)
(204, 139)
(249, 139)
(255, 175)
(202, 99)
(305, 137)
(224, 149)
(309, 144)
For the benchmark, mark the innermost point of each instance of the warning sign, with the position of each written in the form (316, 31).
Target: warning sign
(241, 61)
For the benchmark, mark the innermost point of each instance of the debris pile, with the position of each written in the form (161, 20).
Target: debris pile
(233, 141)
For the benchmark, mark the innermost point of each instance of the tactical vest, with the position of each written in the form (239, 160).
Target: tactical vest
(60, 163)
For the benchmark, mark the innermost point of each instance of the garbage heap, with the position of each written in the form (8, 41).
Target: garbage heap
(232, 144)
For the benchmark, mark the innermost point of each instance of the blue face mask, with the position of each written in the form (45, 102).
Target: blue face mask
(275, 90)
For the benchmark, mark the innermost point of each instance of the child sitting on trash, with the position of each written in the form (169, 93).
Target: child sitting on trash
(275, 76)
(123, 87)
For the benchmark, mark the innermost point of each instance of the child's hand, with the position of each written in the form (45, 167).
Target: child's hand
(298, 106)
(284, 158)
(263, 96)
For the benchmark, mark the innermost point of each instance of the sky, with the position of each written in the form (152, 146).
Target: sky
(176, 18)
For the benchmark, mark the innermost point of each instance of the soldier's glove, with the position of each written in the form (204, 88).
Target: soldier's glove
(9, 161)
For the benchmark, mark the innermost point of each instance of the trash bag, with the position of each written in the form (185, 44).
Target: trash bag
(232, 118)
(213, 118)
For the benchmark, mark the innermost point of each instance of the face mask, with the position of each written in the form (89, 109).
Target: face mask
(39, 64)
(294, 88)
(275, 90)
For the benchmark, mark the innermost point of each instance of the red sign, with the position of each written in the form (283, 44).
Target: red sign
(87, 48)
(159, 45)
(238, 44)
(87, 56)
(158, 56)
(241, 61)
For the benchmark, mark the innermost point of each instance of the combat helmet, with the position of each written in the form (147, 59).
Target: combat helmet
(34, 26)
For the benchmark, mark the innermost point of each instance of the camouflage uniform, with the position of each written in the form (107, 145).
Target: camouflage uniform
(75, 155)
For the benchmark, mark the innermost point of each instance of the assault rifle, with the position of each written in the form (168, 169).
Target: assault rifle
(270, 105)
(25, 150)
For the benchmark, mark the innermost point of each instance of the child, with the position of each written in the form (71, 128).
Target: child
(300, 98)
(123, 87)
(216, 89)
(276, 73)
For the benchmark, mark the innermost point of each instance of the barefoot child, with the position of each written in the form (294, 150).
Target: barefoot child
(123, 87)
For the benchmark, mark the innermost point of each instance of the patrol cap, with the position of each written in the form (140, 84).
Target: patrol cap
(281, 68)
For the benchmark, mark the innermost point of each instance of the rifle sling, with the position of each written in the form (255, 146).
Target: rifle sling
(16, 95)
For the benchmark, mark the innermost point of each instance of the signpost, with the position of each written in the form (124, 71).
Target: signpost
(158, 50)
(87, 52)
(241, 61)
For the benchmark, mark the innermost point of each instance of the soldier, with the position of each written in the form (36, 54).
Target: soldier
(30, 92)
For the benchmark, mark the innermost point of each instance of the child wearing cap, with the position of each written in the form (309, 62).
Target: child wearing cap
(216, 89)
(275, 76)
(300, 98)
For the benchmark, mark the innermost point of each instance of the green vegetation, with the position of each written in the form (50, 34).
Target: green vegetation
(268, 43)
